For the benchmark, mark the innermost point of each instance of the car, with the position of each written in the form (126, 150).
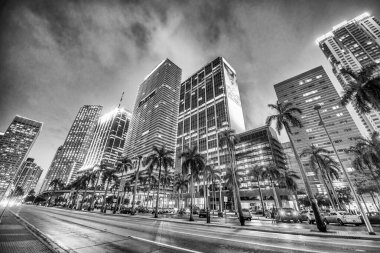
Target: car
(128, 210)
(202, 213)
(287, 214)
(247, 214)
(306, 215)
(341, 217)
(373, 217)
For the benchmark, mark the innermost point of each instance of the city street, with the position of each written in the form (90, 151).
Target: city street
(92, 232)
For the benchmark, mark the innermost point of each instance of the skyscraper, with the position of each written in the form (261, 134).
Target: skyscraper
(354, 44)
(76, 145)
(15, 145)
(52, 173)
(108, 142)
(28, 175)
(209, 102)
(305, 91)
(155, 112)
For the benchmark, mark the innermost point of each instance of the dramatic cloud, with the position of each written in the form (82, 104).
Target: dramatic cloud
(59, 55)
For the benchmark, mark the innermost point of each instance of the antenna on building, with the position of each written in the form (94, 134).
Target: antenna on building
(121, 99)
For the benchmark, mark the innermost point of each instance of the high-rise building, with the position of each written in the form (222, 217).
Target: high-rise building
(306, 90)
(261, 147)
(292, 164)
(77, 143)
(354, 44)
(28, 175)
(15, 145)
(155, 112)
(52, 173)
(209, 102)
(108, 142)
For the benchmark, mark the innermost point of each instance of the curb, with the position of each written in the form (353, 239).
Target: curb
(315, 234)
(53, 246)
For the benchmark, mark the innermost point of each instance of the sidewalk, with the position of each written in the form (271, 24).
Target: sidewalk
(16, 238)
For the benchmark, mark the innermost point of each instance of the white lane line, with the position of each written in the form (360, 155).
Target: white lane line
(163, 244)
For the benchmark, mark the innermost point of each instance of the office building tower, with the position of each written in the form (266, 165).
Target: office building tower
(108, 142)
(292, 164)
(28, 175)
(155, 112)
(260, 147)
(77, 143)
(354, 44)
(304, 91)
(209, 103)
(15, 145)
(52, 173)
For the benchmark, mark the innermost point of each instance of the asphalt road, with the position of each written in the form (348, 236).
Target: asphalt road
(92, 232)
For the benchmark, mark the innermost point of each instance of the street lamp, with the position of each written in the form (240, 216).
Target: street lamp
(365, 218)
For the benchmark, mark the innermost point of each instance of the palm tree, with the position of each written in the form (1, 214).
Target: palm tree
(257, 173)
(149, 178)
(166, 180)
(160, 158)
(87, 178)
(126, 188)
(78, 184)
(192, 164)
(180, 185)
(206, 172)
(107, 178)
(229, 181)
(123, 165)
(319, 163)
(364, 89)
(97, 170)
(288, 180)
(57, 184)
(214, 175)
(272, 173)
(228, 139)
(136, 178)
(285, 118)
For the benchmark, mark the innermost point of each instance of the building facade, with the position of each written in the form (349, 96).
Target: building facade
(292, 164)
(28, 175)
(52, 173)
(15, 146)
(71, 156)
(154, 115)
(108, 142)
(209, 102)
(306, 90)
(354, 44)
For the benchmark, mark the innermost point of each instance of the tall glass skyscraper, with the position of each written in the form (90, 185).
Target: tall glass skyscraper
(209, 102)
(354, 44)
(51, 173)
(155, 112)
(28, 175)
(108, 142)
(15, 145)
(71, 156)
(305, 91)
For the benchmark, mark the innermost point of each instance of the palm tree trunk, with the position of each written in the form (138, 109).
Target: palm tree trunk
(121, 201)
(236, 186)
(220, 196)
(204, 190)
(296, 196)
(158, 190)
(191, 198)
(261, 196)
(104, 199)
(277, 203)
(366, 207)
(321, 226)
(84, 196)
(334, 192)
(374, 202)
(93, 193)
(373, 177)
(214, 202)
(135, 189)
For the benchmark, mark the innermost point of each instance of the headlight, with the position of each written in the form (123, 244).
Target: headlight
(282, 212)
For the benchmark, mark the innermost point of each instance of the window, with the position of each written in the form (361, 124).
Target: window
(338, 141)
(201, 95)
(180, 128)
(209, 89)
(202, 144)
(194, 122)
(210, 116)
(301, 82)
(319, 76)
(308, 80)
(312, 99)
(309, 130)
(194, 98)
(186, 125)
(187, 101)
(347, 129)
(311, 137)
(208, 69)
(335, 107)
(218, 84)
(220, 113)
(339, 114)
(202, 119)
(309, 93)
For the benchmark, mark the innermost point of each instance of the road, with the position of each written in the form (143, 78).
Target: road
(92, 232)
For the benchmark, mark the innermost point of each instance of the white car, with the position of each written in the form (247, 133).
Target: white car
(342, 218)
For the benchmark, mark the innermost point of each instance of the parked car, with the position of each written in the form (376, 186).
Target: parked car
(202, 213)
(287, 214)
(247, 214)
(342, 218)
(128, 210)
(306, 215)
(373, 217)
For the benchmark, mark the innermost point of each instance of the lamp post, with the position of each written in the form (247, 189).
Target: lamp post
(365, 218)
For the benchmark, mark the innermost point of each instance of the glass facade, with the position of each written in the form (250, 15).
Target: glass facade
(354, 44)
(305, 91)
(15, 145)
(28, 175)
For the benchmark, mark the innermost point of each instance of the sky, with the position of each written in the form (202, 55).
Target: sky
(56, 56)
